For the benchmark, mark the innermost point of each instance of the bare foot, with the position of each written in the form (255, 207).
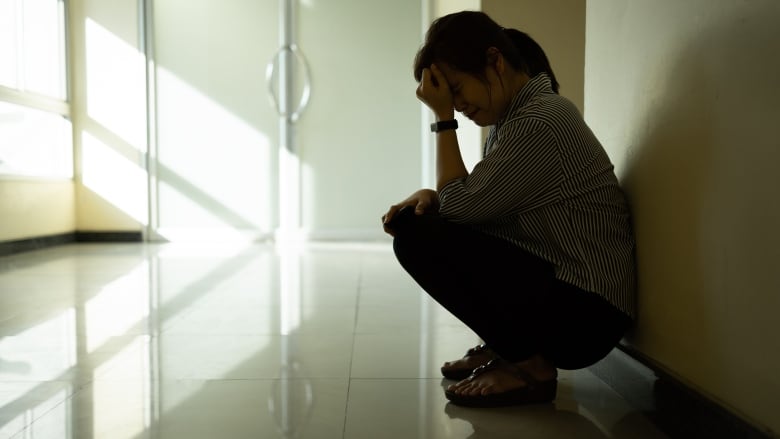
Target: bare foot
(493, 381)
(503, 378)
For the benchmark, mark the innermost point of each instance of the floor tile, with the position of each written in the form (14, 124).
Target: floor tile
(200, 409)
(418, 409)
(254, 357)
(23, 402)
(253, 320)
(323, 340)
(408, 354)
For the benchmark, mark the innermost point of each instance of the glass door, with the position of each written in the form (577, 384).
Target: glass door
(359, 140)
(217, 135)
(283, 116)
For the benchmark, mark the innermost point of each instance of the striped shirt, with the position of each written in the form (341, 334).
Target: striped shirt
(546, 184)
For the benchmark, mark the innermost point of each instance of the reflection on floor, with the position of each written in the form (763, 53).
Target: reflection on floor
(201, 341)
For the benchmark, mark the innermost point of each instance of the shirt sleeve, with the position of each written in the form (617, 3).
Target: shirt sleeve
(523, 169)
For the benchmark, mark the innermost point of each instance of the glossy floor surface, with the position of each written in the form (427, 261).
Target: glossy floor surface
(200, 341)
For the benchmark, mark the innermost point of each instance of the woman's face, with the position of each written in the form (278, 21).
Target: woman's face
(482, 102)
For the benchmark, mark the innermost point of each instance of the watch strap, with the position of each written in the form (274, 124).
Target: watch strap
(444, 125)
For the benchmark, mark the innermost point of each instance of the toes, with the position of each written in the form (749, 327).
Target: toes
(487, 383)
(470, 391)
(464, 387)
(486, 390)
(459, 386)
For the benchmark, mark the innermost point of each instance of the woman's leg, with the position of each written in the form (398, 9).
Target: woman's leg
(509, 298)
(581, 327)
(494, 287)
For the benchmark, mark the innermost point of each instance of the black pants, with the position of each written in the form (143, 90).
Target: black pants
(508, 297)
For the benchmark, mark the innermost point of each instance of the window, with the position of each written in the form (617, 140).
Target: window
(35, 132)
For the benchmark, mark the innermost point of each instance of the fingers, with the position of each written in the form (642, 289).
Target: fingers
(437, 77)
(387, 217)
(434, 91)
(386, 220)
(420, 208)
(429, 84)
(426, 75)
(425, 85)
(434, 78)
(422, 201)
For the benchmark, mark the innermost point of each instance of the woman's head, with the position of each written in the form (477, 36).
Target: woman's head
(462, 41)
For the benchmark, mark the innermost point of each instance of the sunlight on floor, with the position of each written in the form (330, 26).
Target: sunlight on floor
(318, 341)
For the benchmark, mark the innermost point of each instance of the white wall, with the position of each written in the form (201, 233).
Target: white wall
(32, 208)
(684, 96)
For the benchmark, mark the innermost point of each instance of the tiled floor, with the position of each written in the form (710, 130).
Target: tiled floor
(324, 341)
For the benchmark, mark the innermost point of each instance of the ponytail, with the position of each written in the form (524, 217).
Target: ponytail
(534, 56)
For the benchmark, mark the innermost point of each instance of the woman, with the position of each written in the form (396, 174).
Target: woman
(533, 250)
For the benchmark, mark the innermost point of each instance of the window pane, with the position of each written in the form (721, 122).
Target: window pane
(34, 143)
(42, 36)
(8, 43)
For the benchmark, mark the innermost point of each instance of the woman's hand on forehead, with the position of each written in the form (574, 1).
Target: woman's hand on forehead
(434, 91)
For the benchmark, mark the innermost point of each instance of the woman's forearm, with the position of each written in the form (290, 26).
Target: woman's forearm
(449, 162)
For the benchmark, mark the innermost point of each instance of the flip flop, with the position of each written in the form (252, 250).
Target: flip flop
(463, 373)
(534, 392)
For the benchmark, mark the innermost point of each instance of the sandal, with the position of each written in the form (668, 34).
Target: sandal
(534, 392)
(463, 373)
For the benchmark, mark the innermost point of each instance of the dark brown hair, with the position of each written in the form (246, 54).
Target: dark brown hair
(462, 39)
(533, 54)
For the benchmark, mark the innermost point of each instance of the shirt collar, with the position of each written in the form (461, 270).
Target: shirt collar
(538, 84)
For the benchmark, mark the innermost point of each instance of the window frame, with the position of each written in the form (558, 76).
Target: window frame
(33, 100)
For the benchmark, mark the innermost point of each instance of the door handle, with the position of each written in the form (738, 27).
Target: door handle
(270, 73)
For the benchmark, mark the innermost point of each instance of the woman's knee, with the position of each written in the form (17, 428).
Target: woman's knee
(418, 238)
(409, 235)
(407, 221)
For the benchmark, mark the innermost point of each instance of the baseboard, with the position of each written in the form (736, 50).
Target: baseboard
(676, 409)
(81, 236)
(36, 243)
(41, 242)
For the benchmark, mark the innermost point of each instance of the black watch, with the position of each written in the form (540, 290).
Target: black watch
(444, 125)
